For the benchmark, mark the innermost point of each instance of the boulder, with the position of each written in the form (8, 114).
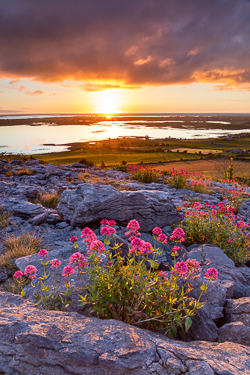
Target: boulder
(228, 273)
(238, 310)
(36, 341)
(235, 332)
(22, 208)
(91, 203)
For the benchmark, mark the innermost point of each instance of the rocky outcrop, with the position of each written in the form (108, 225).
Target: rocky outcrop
(35, 341)
(88, 204)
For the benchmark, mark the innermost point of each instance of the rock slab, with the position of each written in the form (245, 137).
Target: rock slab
(88, 204)
(35, 341)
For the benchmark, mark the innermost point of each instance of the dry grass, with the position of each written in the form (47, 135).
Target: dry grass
(25, 172)
(20, 246)
(48, 200)
(90, 179)
(13, 287)
(4, 216)
(209, 167)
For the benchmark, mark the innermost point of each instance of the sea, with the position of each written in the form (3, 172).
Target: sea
(45, 133)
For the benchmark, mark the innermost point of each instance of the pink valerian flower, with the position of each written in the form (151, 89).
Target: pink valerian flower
(133, 225)
(157, 231)
(42, 253)
(55, 263)
(146, 248)
(108, 231)
(30, 271)
(111, 223)
(140, 247)
(67, 271)
(110, 263)
(88, 236)
(196, 205)
(78, 260)
(18, 275)
(211, 273)
(175, 248)
(162, 238)
(180, 269)
(186, 204)
(97, 246)
(163, 275)
(193, 266)
(104, 222)
(178, 235)
(73, 239)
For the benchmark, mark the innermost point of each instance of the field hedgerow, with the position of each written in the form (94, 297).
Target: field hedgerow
(131, 289)
(219, 226)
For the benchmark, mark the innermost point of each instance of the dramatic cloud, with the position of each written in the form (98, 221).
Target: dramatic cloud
(154, 42)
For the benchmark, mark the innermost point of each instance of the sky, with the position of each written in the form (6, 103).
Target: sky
(144, 56)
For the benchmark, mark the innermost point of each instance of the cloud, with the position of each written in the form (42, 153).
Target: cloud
(8, 111)
(35, 93)
(91, 87)
(133, 43)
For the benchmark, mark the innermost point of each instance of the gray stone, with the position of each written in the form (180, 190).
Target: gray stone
(215, 257)
(90, 203)
(35, 341)
(39, 219)
(238, 310)
(22, 208)
(235, 332)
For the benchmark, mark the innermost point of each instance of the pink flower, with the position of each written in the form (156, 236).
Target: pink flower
(55, 263)
(178, 235)
(110, 263)
(196, 205)
(176, 248)
(78, 260)
(180, 269)
(157, 231)
(97, 246)
(193, 264)
(146, 248)
(162, 238)
(211, 273)
(30, 271)
(18, 275)
(73, 239)
(42, 253)
(111, 222)
(133, 225)
(67, 271)
(108, 231)
(104, 222)
(185, 204)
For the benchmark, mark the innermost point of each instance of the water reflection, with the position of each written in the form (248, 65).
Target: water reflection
(39, 139)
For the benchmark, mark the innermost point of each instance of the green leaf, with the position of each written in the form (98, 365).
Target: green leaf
(188, 323)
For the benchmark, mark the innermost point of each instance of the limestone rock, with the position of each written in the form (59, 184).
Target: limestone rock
(238, 310)
(35, 341)
(91, 203)
(235, 332)
(23, 208)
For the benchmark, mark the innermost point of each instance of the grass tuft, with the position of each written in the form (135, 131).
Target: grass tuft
(20, 246)
(25, 172)
(48, 200)
(4, 216)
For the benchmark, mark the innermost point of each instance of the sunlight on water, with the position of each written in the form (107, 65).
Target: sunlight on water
(48, 138)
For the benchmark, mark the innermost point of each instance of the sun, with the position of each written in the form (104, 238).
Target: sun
(107, 103)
